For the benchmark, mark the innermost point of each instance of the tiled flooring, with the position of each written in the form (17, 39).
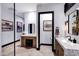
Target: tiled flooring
(21, 51)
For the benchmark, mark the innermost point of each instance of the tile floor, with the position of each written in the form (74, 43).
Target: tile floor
(21, 51)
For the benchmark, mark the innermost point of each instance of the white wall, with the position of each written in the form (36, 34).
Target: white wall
(45, 36)
(59, 17)
(30, 17)
(7, 14)
(0, 29)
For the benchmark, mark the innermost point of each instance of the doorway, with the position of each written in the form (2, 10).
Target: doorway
(47, 29)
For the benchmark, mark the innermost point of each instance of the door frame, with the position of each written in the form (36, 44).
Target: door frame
(52, 28)
(14, 31)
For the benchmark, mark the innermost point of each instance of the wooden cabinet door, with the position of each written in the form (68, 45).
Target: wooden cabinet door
(59, 49)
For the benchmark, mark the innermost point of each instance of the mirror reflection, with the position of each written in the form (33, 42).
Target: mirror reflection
(31, 28)
(74, 23)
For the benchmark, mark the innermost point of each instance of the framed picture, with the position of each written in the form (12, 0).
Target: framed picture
(19, 26)
(7, 25)
(47, 25)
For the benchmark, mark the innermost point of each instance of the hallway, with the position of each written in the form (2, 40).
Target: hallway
(21, 51)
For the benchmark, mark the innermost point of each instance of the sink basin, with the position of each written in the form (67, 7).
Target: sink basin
(64, 41)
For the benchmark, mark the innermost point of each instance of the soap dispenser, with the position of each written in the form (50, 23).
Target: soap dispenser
(74, 41)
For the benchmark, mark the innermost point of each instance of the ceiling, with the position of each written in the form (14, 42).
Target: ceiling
(25, 7)
(21, 8)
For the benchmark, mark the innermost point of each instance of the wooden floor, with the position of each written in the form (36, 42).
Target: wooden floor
(21, 51)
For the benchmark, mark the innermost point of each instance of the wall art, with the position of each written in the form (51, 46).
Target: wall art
(19, 26)
(7, 25)
(47, 25)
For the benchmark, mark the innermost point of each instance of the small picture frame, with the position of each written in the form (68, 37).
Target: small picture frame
(19, 26)
(47, 25)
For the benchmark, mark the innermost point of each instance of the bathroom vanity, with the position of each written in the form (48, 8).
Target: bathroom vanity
(28, 40)
(66, 48)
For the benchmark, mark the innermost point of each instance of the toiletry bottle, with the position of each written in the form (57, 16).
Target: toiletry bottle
(74, 41)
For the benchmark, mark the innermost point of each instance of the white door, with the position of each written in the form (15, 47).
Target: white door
(45, 36)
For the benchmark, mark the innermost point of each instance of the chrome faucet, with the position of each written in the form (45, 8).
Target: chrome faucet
(69, 38)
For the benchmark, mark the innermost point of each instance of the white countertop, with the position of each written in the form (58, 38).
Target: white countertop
(66, 44)
(29, 35)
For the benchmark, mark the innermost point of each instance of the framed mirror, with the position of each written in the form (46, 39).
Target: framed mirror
(73, 23)
(31, 28)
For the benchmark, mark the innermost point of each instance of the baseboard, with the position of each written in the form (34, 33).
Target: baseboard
(54, 50)
(46, 44)
(9, 43)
